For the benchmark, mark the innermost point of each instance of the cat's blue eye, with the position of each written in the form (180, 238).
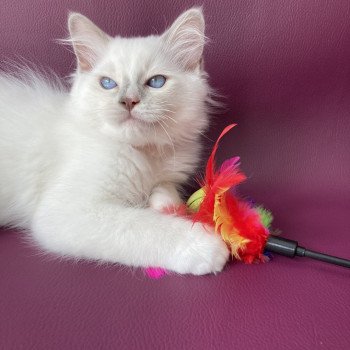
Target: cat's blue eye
(157, 81)
(108, 83)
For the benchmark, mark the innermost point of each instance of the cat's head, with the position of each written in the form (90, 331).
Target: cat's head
(144, 90)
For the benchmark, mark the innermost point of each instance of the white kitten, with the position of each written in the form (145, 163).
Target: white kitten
(87, 171)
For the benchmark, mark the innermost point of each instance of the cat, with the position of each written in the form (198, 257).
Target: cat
(88, 171)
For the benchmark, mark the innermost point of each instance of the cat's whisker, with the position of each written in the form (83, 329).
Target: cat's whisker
(170, 118)
(172, 143)
(164, 122)
(205, 136)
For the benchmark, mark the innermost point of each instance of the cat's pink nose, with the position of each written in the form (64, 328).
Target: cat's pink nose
(130, 102)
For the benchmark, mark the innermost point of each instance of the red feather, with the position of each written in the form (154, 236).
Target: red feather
(235, 219)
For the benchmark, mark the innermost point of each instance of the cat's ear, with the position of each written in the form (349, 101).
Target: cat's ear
(89, 42)
(185, 39)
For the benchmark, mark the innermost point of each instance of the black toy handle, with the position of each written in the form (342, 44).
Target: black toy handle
(291, 248)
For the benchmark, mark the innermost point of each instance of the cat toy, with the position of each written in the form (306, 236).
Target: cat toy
(244, 227)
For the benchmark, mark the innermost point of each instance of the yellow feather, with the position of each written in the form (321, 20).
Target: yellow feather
(224, 225)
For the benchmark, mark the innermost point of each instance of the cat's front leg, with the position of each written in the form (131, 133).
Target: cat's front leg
(164, 196)
(132, 236)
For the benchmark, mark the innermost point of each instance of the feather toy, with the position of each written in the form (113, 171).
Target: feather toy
(245, 228)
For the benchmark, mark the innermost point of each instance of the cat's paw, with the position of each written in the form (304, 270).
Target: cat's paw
(203, 253)
(164, 197)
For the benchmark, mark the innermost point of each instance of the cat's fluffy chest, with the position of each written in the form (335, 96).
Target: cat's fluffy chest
(131, 173)
(101, 167)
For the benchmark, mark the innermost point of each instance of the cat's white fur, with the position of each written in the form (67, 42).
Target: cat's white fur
(87, 177)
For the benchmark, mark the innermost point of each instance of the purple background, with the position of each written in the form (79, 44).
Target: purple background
(284, 68)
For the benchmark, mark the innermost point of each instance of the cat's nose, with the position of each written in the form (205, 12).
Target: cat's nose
(130, 102)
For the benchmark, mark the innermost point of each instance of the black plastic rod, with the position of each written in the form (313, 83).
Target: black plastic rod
(291, 249)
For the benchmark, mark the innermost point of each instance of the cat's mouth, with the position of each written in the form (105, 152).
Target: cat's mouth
(132, 118)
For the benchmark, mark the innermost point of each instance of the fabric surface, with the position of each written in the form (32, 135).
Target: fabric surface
(284, 67)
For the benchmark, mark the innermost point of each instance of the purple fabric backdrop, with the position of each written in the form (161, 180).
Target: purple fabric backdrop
(284, 67)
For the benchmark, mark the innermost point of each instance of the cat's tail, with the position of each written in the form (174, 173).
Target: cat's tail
(23, 73)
